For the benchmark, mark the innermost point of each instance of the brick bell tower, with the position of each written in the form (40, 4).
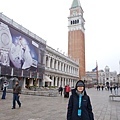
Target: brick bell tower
(76, 36)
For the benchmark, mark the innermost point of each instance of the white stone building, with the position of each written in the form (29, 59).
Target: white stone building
(104, 76)
(107, 77)
(60, 69)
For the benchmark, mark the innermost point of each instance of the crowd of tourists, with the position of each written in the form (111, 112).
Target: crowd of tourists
(112, 88)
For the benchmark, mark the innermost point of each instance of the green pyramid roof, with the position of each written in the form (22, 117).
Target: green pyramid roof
(76, 3)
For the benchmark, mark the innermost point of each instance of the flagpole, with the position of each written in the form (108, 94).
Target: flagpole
(97, 72)
(119, 66)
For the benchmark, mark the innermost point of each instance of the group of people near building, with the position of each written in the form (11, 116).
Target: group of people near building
(113, 87)
(66, 91)
(110, 88)
(79, 105)
(16, 93)
(98, 87)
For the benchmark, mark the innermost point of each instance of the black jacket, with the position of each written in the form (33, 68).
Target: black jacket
(73, 105)
(17, 89)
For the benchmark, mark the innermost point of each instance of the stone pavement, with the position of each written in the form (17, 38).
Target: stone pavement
(54, 108)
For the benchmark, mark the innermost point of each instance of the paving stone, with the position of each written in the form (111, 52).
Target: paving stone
(55, 108)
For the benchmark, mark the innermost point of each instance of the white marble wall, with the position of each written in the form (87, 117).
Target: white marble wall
(60, 68)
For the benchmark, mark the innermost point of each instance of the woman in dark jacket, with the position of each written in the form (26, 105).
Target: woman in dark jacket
(79, 106)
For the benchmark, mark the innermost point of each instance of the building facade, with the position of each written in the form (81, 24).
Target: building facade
(25, 56)
(60, 69)
(76, 35)
(105, 77)
(91, 76)
(21, 54)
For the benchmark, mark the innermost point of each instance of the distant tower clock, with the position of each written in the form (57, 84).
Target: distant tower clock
(76, 36)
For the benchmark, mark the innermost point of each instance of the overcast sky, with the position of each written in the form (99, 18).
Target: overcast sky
(48, 19)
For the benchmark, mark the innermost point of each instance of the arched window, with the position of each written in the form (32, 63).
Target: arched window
(71, 22)
(55, 64)
(46, 61)
(77, 21)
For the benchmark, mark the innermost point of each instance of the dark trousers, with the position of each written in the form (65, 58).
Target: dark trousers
(61, 92)
(16, 98)
(4, 94)
(66, 94)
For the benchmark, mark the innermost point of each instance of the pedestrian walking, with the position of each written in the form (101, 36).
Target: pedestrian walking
(108, 87)
(4, 88)
(79, 106)
(60, 90)
(16, 94)
(102, 87)
(98, 87)
(66, 91)
(111, 89)
(115, 89)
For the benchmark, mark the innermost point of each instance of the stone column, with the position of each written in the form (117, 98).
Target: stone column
(52, 84)
(62, 82)
(72, 70)
(63, 67)
(65, 82)
(49, 61)
(59, 81)
(59, 65)
(68, 69)
(56, 65)
(56, 80)
(70, 83)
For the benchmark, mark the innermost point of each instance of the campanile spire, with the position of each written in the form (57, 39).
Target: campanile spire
(75, 3)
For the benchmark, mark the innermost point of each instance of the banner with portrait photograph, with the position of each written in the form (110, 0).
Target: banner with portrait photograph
(17, 49)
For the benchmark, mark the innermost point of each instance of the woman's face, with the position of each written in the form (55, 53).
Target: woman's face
(80, 89)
